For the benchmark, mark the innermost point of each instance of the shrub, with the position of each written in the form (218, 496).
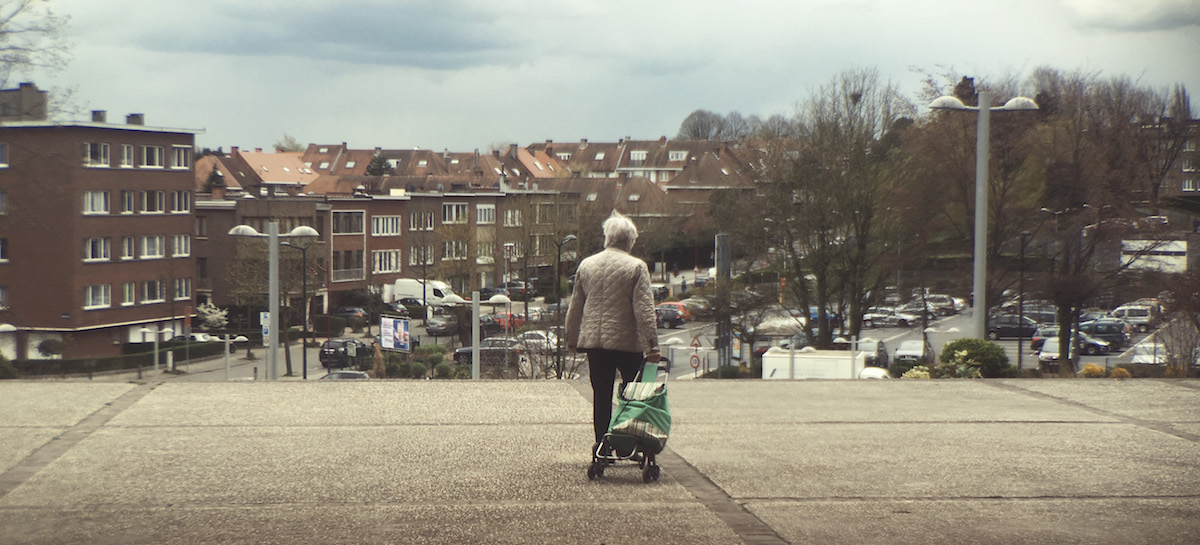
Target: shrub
(443, 370)
(728, 371)
(901, 366)
(7, 369)
(917, 372)
(418, 369)
(396, 368)
(970, 358)
(1092, 370)
(1120, 373)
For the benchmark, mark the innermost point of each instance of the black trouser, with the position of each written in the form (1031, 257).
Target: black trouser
(603, 366)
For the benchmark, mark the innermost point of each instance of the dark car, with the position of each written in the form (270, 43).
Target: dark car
(1040, 336)
(345, 374)
(350, 312)
(336, 353)
(1010, 326)
(492, 351)
(669, 317)
(1115, 332)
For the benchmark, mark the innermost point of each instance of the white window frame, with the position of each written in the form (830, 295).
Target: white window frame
(157, 297)
(181, 157)
(3, 155)
(1188, 185)
(96, 249)
(1187, 165)
(127, 158)
(129, 201)
(414, 255)
(182, 289)
(181, 246)
(95, 154)
(600, 156)
(158, 198)
(128, 248)
(637, 155)
(152, 247)
(350, 164)
(386, 226)
(128, 294)
(181, 202)
(485, 214)
(512, 218)
(95, 202)
(97, 296)
(152, 157)
(421, 221)
(455, 213)
(454, 250)
(386, 261)
(3, 202)
(677, 155)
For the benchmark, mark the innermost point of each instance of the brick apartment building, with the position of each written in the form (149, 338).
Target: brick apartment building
(95, 235)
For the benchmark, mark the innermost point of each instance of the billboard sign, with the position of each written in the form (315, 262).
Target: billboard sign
(394, 334)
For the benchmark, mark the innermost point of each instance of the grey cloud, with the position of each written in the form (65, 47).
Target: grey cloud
(1142, 16)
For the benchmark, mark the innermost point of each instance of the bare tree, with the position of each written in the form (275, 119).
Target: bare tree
(31, 38)
(288, 143)
(701, 125)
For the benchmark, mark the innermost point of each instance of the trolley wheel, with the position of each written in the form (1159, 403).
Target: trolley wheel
(650, 474)
(641, 462)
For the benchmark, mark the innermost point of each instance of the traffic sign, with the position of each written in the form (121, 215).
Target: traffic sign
(696, 341)
(695, 361)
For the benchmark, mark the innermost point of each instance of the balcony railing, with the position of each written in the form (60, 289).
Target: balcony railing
(348, 275)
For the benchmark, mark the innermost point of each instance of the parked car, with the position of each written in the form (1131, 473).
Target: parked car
(1039, 337)
(195, 338)
(876, 351)
(350, 312)
(441, 325)
(345, 374)
(917, 350)
(916, 308)
(1142, 317)
(1010, 326)
(1115, 332)
(538, 340)
(889, 317)
(677, 305)
(487, 292)
(1088, 345)
(344, 352)
(699, 306)
(1049, 352)
(669, 317)
(508, 321)
(492, 351)
(518, 288)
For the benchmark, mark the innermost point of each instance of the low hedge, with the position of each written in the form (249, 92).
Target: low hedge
(116, 363)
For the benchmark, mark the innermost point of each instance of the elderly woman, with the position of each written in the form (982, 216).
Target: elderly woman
(611, 317)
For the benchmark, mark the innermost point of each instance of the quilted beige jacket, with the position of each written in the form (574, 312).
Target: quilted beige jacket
(612, 306)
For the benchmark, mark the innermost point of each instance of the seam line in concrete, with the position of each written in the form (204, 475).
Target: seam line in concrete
(1153, 425)
(746, 525)
(22, 471)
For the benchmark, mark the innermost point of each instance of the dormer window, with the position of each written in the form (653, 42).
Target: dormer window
(322, 150)
(564, 156)
(600, 156)
(637, 155)
(635, 197)
(592, 197)
(677, 156)
(422, 163)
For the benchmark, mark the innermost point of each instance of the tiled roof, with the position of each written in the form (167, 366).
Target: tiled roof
(285, 168)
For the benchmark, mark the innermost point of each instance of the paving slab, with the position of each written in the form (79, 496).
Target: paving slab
(54, 403)
(1160, 400)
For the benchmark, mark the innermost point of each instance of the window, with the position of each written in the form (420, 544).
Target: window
(201, 227)
(1189, 165)
(95, 154)
(384, 226)
(454, 250)
(3, 155)
(152, 292)
(95, 202)
(347, 265)
(512, 218)
(563, 156)
(128, 202)
(152, 247)
(181, 202)
(348, 223)
(3, 297)
(385, 261)
(454, 213)
(545, 213)
(420, 221)
(637, 155)
(154, 202)
(485, 214)
(152, 156)
(128, 248)
(324, 165)
(97, 296)
(3, 203)
(350, 164)
(3, 250)
(128, 293)
(183, 288)
(202, 268)
(181, 157)
(126, 156)
(485, 250)
(97, 249)
(422, 163)
(181, 246)
(677, 155)
(1189, 185)
(600, 156)
(420, 255)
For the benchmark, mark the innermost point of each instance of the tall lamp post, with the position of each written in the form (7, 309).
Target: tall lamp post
(982, 155)
(273, 283)
(303, 292)
(558, 366)
(1021, 300)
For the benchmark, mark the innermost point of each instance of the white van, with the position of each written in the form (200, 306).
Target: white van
(433, 293)
(1138, 316)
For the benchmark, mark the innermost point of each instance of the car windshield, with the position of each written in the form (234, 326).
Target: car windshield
(912, 346)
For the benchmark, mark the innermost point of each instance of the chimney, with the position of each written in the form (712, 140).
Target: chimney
(99, 116)
(234, 151)
(582, 143)
(218, 193)
(135, 119)
(662, 139)
(512, 151)
(257, 150)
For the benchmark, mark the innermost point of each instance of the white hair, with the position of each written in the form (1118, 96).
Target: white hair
(619, 232)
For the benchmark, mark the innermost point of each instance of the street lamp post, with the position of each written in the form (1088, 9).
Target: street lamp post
(273, 283)
(1021, 301)
(982, 155)
(558, 366)
(304, 295)
(156, 333)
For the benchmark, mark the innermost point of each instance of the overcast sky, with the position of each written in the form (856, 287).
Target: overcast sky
(467, 74)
